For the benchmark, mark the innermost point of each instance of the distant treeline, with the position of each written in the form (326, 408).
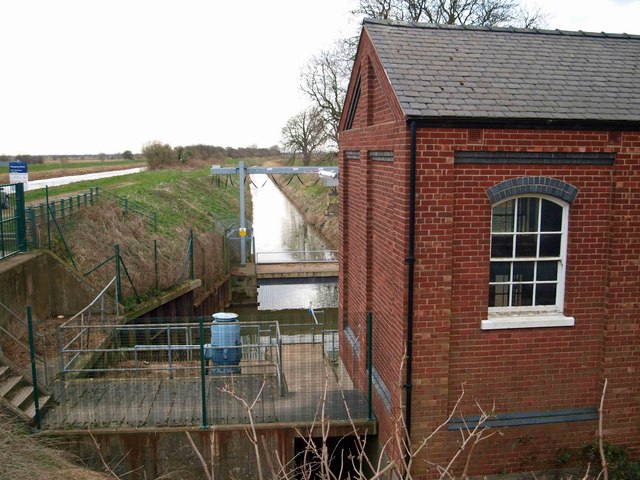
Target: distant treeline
(197, 152)
(209, 152)
(33, 159)
(163, 155)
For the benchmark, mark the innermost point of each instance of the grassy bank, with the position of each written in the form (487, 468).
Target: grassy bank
(183, 200)
(317, 202)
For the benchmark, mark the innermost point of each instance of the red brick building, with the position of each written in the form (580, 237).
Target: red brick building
(490, 222)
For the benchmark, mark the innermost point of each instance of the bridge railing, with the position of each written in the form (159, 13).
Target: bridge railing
(302, 256)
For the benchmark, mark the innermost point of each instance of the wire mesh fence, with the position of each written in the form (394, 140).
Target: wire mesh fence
(192, 371)
(40, 216)
(12, 221)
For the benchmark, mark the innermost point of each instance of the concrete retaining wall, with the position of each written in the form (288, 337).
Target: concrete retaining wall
(45, 282)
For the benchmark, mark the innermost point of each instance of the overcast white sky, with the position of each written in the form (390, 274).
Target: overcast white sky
(91, 76)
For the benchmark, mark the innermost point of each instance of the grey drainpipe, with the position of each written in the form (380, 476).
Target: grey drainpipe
(411, 261)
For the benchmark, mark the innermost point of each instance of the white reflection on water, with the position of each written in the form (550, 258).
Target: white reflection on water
(279, 227)
(298, 295)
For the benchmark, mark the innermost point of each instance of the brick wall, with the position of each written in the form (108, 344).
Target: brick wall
(516, 370)
(372, 245)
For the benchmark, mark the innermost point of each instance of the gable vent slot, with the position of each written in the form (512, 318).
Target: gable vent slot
(474, 135)
(615, 138)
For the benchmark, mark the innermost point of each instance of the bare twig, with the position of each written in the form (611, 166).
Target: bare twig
(272, 470)
(603, 458)
(199, 455)
(104, 463)
(251, 431)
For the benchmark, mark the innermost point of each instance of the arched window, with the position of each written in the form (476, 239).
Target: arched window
(528, 254)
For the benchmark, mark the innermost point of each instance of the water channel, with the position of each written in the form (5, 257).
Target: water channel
(280, 229)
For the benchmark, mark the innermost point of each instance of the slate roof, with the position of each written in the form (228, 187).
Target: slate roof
(501, 73)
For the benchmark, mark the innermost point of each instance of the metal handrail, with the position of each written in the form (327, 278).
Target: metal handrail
(73, 349)
(81, 312)
(41, 336)
(332, 253)
(279, 365)
(24, 324)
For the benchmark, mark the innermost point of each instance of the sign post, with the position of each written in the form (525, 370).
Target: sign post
(18, 173)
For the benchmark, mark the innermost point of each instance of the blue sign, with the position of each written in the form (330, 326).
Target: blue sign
(17, 167)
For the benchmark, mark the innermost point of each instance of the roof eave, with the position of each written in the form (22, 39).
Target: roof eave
(523, 123)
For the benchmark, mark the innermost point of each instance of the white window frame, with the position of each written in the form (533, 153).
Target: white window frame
(535, 316)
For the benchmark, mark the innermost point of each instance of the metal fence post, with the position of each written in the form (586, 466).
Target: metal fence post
(370, 362)
(192, 269)
(118, 280)
(33, 227)
(34, 376)
(21, 234)
(2, 251)
(203, 388)
(46, 194)
(155, 262)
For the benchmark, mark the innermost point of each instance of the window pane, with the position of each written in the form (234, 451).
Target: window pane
(551, 217)
(527, 215)
(547, 271)
(550, 245)
(502, 217)
(500, 272)
(501, 246)
(523, 271)
(526, 245)
(522, 295)
(546, 294)
(498, 295)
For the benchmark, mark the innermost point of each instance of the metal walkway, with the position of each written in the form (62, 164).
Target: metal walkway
(134, 403)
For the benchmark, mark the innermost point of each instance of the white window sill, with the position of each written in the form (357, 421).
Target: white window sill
(532, 321)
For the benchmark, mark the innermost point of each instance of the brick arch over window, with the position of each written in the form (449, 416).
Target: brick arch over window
(532, 186)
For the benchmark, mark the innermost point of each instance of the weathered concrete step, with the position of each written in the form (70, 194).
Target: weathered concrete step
(9, 384)
(30, 409)
(21, 396)
(3, 369)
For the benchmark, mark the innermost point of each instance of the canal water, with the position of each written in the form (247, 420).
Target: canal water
(280, 231)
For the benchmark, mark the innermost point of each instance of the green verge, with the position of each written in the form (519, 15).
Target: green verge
(317, 203)
(182, 198)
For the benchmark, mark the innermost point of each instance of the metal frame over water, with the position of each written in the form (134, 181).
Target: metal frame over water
(242, 171)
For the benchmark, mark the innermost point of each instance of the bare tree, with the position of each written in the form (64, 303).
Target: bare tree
(305, 133)
(324, 79)
(454, 12)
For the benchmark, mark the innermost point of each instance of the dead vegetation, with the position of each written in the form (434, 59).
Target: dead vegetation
(153, 262)
(316, 203)
(23, 456)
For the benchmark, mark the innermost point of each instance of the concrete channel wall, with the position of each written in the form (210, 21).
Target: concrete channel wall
(227, 451)
(45, 282)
